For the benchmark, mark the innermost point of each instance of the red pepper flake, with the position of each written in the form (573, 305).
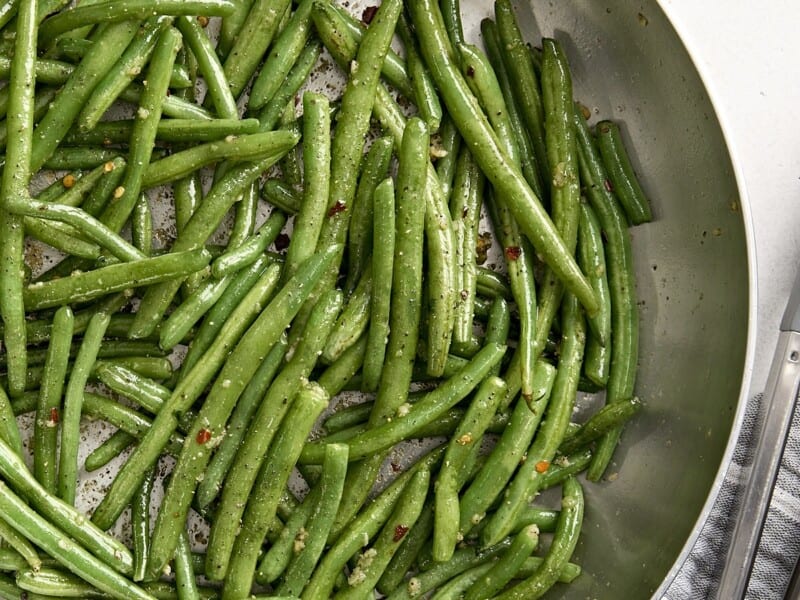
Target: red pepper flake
(513, 252)
(368, 14)
(337, 208)
(542, 466)
(54, 415)
(470, 71)
(609, 187)
(396, 468)
(281, 242)
(203, 436)
(399, 532)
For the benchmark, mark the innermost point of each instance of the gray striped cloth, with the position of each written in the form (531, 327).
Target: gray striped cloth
(780, 542)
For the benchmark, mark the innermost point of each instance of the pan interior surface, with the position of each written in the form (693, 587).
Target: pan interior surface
(629, 64)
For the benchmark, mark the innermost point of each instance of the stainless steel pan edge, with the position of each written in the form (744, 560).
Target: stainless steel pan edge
(696, 273)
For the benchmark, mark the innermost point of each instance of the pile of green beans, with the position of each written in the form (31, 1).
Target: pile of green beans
(350, 220)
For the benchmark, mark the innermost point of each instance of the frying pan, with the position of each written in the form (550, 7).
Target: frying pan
(696, 291)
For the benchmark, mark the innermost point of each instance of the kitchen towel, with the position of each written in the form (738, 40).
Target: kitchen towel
(780, 541)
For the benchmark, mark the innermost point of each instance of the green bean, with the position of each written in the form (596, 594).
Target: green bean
(381, 292)
(20, 545)
(257, 146)
(508, 181)
(591, 257)
(504, 458)
(9, 431)
(351, 130)
(527, 156)
(142, 226)
(11, 560)
(561, 549)
(282, 56)
(242, 416)
(62, 514)
(622, 285)
(282, 196)
(317, 181)
(353, 321)
(108, 46)
(319, 521)
(118, 10)
(237, 258)
(231, 25)
(173, 106)
(250, 455)
(393, 68)
(175, 327)
(209, 65)
(144, 129)
(60, 237)
(361, 233)
(184, 573)
(253, 39)
(273, 112)
(465, 208)
(427, 410)
(335, 377)
(73, 401)
(525, 484)
(73, 158)
(245, 215)
(447, 155)
(168, 130)
(200, 227)
(607, 418)
(186, 392)
(97, 199)
(262, 503)
(291, 171)
(562, 160)
(621, 174)
(394, 575)
(40, 105)
(425, 94)
(461, 450)
(52, 582)
(374, 560)
(109, 349)
(361, 529)
(507, 567)
(525, 86)
(217, 316)
(46, 71)
(565, 467)
(45, 425)
(345, 417)
(108, 450)
(140, 526)
(8, 11)
(14, 184)
(451, 16)
(81, 287)
(129, 65)
(187, 194)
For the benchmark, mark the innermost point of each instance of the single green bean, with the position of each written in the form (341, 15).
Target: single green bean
(81, 287)
(566, 466)
(507, 567)
(118, 10)
(425, 94)
(282, 196)
(45, 425)
(140, 526)
(319, 521)
(187, 194)
(608, 417)
(20, 545)
(108, 450)
(168, 130)
(97, 199)
(309, 403)
(142, 225)
(316, 184)
(561, 548)
(621, 174)
(233, 260)
(231, 25)
(381, 293)
(446, 152)
(353, 321)
(73, 402)
(185, 580)
(173, 106)
(209, 65)
(591, 257)
(361, 234)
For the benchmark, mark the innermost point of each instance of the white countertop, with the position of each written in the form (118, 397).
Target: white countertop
(749, 56)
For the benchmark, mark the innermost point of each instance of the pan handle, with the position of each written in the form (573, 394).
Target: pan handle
(780, 397)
